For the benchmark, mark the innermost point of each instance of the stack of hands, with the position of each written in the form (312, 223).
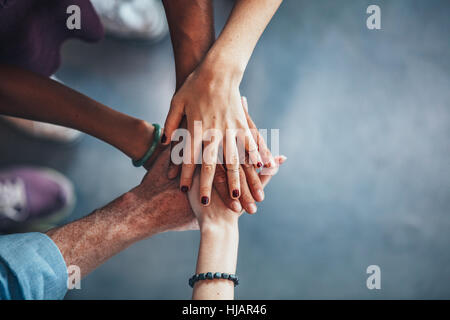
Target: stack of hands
(158, 205)
(171, 197)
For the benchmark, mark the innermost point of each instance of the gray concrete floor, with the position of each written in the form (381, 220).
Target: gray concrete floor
(364, 119)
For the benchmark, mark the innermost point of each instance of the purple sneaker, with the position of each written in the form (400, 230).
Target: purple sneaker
(33, 199)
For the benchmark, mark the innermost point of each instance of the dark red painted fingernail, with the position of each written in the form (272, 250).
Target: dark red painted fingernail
(205, 200)
(259, 164)
(236, 193)
(184, 188)
(163, 138)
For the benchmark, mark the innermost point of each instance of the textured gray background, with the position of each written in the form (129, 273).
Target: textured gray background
(365, 123)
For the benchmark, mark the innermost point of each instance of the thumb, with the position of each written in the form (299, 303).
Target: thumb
(172, 121)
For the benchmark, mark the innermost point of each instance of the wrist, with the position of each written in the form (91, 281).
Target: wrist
(218, 226)
(91, 240)
(140, 136)
(138, 215)
(130, 217)
(220, 65)
(186, 61)
(121, 216)
(218, 248)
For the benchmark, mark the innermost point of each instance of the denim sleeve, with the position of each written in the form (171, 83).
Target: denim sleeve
(31, 267)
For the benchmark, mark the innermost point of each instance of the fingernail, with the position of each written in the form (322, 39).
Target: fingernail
(236, 193)
(236, 206)
(259, 164)
(163, 138)
(184, 188)
(205, 200)
(252, 208)
(260, 195)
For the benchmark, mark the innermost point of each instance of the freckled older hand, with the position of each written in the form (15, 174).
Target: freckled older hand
(174, 211)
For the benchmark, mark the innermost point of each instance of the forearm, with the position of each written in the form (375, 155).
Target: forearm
(234, 47)
(90, 241)
(217, 253)
(191, 26)
(30, 96)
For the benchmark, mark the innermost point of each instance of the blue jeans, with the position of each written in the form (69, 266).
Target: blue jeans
(31, 267)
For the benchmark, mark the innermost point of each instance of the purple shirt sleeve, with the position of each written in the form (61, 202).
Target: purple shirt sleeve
(33, 31)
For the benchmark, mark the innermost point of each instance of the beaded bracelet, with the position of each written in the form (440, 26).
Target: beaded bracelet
(211, 276)
(151, 149)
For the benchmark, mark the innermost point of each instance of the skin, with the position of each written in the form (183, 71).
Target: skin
(156, 206)
(192, 33)
(191, 25)
(211, 95)
(21, 91)
(64, 106)
(219, 241)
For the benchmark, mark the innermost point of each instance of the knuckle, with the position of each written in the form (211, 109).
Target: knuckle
(246, 163)
(266, 152)
(229, 201)
(210, 159)
(255, 184)
(233, 183)
(232, 166)
(208, 168)
(205, 190)
(168, 124)
(233, 160)
(186, 176)
(213, 153)
(233, 179)
(176, 100)
(246, 197)
(260, 140)
(242, 124)
(188, 166)
(185, 181)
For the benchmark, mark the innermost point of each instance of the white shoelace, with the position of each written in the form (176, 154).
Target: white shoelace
(13, 199)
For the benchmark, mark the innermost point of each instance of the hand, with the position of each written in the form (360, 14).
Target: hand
(161, 202)
(211, 96)
(219, 237)
(251, 187)
(156, 205)
(218, 213)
